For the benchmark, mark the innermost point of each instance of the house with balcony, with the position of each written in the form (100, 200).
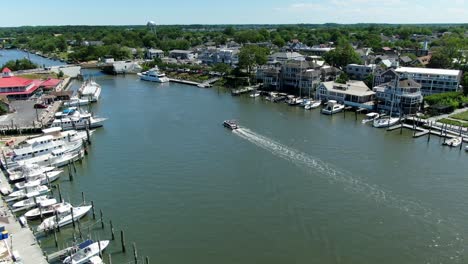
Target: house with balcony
(432, 81)
(360, 72)
(399, 96)
(154, 53)
(352, 93)
(183, 55)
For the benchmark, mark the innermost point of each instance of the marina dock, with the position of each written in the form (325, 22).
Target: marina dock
(22, 243)
(205, 84)
(242, 91)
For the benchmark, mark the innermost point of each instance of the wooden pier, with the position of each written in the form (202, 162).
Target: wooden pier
(205, 84)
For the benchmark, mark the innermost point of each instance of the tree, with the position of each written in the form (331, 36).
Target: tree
(279, 41)
(343, 78)
(369, 81)
(251, 56)
(222, 68)
(440, 59)
(465, 83)
(18, 65)
(60, 74)
(342, 55)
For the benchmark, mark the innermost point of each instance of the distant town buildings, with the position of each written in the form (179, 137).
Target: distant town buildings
(433, 81)
(360, 72)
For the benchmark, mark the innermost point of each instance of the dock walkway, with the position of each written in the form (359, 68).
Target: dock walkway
(21, 239)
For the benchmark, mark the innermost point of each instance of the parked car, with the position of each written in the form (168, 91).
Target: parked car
(40, 106)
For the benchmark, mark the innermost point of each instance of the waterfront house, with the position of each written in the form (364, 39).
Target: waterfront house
(433, 81)
(182, 54)
(281, 57)
(154, 53)
(352, 93)
(399, 95)
(360, 72)
(17, 87)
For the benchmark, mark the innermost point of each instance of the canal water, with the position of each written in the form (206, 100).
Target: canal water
(290, 186)
(8, 55)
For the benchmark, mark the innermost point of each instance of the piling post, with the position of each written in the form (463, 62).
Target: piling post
(135, 253)
(70, 174)
(55, 239)
(355, 115)
(79, 229)
(442, 130)
(48, 180)
(83, 198)
(74, 167)
(60, 193)
(110, 258)
(57, 221)
(102, 220)
(92, 207)
(99, 247)
(40, 212)
(112, 230)
(122, 241)
(430, 132)
(87, 132)
(147, 260)
(445, 136)
(72, 217)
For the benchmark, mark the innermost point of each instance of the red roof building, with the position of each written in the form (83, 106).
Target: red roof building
(21, 88)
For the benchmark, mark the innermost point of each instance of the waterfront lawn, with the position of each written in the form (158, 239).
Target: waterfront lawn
(453, 122)
(38, 76)
(461, 116)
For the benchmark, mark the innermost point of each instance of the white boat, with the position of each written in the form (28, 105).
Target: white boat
(64, 218)
(85, 253)
(385, 121)
(27, 171)
(53, 139)
(307, 107)
(370, 117)
(95, 260)
(231, 124)
(332, 107)
(153, 75)
(47, 208)
(453, 142)
(315, 104)
(75, 101)
(30, 192)
(90, 90)
(57, 158)
(466, 148)
(78, 121)
(256, 94)
(42, 179)
(33, 201)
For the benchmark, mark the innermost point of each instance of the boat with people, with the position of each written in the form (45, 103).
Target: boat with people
(453, 142)
(385, 121)
(153, 75)
(47, 208)
(90, 90)
(41, 179)
(370, 117)
(33, 201)
(63, 218)
(332, 107)
(231, 124)
(86, 251)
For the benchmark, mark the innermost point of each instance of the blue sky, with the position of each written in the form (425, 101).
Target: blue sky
(119, 12)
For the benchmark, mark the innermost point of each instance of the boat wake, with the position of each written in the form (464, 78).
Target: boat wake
(446, 238)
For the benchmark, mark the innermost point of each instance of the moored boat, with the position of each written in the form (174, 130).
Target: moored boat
(453, 142)
(90, 90)
(332, 107)
(64, 218)
(370, 117)
(33, 201)
(153, 75)
(47, 208)
(42, 179)
(385, 121)
(30, 192)
(86, 251)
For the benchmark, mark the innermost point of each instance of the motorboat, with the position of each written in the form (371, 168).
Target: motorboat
(90, 90)
(58, 158)
(42, 179)
(370, 117)
(28, 170)
(64, 217)
(78, 121)
(75, 101)
(53, 138)
(231, 124)
(47, 208)
(256, 94)
(96, 260)
(294, 101)
(153, 75)
(332, 107)
(453, 142)
(386, 121)
(33, 201)
(86, 251)
(30, 192)
(315, 104)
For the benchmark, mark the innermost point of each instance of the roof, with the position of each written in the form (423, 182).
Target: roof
(6, 70)
(408, 83)
(357, 88)
(428, 71)
(406, 59)
(51, 82)
(286, 55)
(181, 51)
(14, 81)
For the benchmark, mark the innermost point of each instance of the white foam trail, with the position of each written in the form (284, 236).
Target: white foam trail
(356, 185)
